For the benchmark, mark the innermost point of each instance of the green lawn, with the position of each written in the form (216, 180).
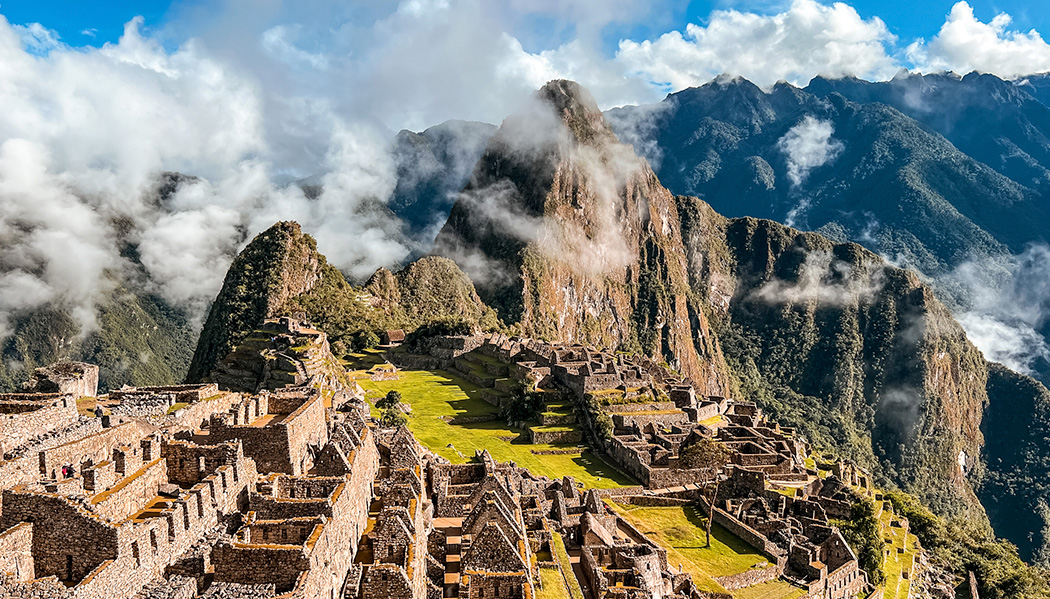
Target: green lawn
(776, 589)
(680, 530)
(553, 585)
(558, 547)
(436, 396)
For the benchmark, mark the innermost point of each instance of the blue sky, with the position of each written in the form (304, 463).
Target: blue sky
(82, 23)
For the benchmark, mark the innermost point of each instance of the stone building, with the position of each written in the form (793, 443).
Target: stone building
(273, 481)
(74, 378)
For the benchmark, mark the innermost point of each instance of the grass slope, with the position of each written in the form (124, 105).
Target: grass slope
(437, 397)
(680, 530)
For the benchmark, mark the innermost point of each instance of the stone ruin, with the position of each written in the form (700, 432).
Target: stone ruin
(258, 486)
(72, 378)
(770, 498)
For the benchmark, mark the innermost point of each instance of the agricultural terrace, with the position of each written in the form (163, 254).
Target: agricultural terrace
(680, 530)
(438, 398)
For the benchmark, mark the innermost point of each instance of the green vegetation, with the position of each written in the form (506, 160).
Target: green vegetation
(430, 290)
(137, 340)
(438, 397)
(681, 531)
(601, 423)
(553, 585)
(390, 400)
(861, 531)
(393, 417)
(1015, 486)
(558, 547)
(964, 546)
(280, 272)
(524, 404)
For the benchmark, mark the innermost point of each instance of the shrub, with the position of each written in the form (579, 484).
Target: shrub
(390, 400)
(393, 418)
(525, 404)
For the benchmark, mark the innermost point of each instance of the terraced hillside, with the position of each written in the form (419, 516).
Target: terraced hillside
(451, 416)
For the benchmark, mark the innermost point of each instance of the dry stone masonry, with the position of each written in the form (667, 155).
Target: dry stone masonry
(272, 480)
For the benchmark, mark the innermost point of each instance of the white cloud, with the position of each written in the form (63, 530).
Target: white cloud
(85, 134)
(1006, 305)
(824, 280)
(806, 40)
(37, 38)
(808, 145)
(256, 94)
(279, 42)
(966, 44)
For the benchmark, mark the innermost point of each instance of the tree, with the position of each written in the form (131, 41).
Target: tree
(708, 458)
(363, 340)
(391, 400)
(393, 418)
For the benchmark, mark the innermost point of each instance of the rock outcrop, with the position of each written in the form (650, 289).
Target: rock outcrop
(570, 237)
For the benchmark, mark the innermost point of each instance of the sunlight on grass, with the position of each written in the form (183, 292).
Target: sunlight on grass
(553, 585)
(776, 589)
(680, 530)
(437, 397)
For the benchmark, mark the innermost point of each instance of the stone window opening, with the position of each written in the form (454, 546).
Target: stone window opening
(135, 553)
(69, 567)
(153, 539)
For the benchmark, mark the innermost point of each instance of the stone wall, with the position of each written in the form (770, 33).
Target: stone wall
(67, 541)
(181, 393)
(16, 551)
(131, 493)
(750, 578)
(97, 447)
(282, 445)
(552, 437)
(629, 419)
(23, 421)
(751, 537)
(188, 463)
(76, 378)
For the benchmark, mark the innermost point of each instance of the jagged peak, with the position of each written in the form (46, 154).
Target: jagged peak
(576, 109)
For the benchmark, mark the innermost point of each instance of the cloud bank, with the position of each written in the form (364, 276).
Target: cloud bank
(247, 97)
(1007, 307)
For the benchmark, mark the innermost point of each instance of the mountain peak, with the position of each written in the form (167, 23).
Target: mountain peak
(576, 108)
(281, 262)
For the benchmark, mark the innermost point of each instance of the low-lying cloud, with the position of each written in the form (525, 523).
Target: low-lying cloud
(808, 145)
(825, 280)
(1006, 306)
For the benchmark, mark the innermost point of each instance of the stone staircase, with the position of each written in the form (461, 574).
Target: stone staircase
(557, 422)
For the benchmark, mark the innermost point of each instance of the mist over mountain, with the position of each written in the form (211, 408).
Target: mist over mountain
(875, 163)
(432, 167)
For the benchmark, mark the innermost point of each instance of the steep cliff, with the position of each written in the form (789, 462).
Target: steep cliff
(855, 353)
(571, 237)
(1015, 489)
